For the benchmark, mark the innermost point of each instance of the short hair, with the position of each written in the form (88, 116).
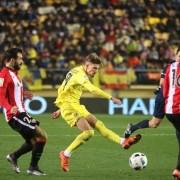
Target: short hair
(9, 54)
(94, 58)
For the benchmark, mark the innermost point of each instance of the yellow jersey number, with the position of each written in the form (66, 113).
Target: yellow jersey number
(68, 77)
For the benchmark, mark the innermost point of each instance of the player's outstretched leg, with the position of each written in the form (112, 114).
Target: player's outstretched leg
(128, 142)
(128, 130)
(133, 127)
(13, 161)
(125, 142)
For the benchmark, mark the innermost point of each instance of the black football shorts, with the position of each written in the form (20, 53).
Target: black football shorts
(25, 125)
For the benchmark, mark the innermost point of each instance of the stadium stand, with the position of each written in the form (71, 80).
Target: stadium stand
(135, 37)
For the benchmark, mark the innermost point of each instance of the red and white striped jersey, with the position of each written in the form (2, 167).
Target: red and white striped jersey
(171, 89)
(11, 92)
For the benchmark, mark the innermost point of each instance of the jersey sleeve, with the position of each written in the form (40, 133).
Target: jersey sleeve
(93, 89)
(164, 69)
(163, 72)
(3, 90)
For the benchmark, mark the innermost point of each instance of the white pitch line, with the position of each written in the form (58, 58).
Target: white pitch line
(111, 127)
(69, 135)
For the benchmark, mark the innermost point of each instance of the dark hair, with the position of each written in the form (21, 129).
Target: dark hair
(93, 58)
(8, 55)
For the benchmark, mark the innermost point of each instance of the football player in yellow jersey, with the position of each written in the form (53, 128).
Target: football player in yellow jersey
(75, 114)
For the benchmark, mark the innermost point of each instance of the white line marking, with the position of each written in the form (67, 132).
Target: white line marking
(71, 135)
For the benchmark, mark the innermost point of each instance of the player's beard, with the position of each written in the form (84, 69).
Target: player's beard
(17, 66)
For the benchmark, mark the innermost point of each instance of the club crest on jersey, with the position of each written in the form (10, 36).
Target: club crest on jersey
(1, 82)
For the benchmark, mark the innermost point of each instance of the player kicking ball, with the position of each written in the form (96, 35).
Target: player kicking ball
(76, 115)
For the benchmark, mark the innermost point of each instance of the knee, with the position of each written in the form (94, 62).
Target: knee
(44, 138)
(41, 137)
(88, 134)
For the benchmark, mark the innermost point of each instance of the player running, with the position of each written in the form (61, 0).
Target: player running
(12, 95)
(76, 82)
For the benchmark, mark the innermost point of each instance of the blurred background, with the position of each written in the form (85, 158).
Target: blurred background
(136, 38)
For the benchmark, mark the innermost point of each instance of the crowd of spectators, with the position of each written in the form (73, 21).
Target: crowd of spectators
(137, 34)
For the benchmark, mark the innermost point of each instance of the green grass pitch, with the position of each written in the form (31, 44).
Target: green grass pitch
(98, 159)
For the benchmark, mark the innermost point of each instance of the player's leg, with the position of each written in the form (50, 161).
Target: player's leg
(109, 134)
(85, 135)
(174, 119)
(16, 124)
(178, 138)
(27, 127)
(153, 123)
(158, 115)
(133, 127)
(13, 157)
(176, 172)
(38, 141)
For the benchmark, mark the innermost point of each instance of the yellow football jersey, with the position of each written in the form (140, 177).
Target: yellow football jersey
(75, 83)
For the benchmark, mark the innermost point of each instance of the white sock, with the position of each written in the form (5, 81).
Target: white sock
(67, 153)
(122, 140)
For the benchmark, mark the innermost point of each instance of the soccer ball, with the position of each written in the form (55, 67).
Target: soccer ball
(138, 161)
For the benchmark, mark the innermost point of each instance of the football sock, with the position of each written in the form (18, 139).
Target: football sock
(178, 138)
(79, 140)
(36, 153)
(107, 133)
(25, 148)
(140, 125)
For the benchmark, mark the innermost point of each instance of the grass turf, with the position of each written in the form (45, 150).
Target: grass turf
(98, 159)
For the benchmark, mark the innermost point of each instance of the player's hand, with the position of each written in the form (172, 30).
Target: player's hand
(116, 100)
(14, 110)
(28, 94)
(56, 114)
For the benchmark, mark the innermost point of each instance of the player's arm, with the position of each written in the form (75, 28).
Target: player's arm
(161, 81)
(97, 91)
(162, 77)
(3, 89)
(56, 114)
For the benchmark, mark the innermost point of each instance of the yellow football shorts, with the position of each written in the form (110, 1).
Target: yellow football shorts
(72, 112)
